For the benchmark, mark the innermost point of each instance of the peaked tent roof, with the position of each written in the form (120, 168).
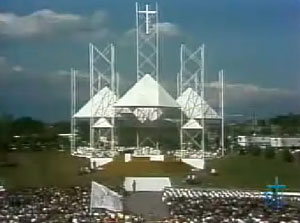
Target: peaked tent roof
(102, 104)
(192, 124)
(147, 93)
(102, 123)
(192, 103)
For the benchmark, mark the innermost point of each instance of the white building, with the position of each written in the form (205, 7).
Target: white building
(284, 142)
(264, 141)
(260, 141)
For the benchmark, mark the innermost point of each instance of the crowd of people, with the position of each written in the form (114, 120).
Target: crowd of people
(55, 205)
(191, 205)
(72, 205)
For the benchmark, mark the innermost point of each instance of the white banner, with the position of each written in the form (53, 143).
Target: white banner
(103, 197)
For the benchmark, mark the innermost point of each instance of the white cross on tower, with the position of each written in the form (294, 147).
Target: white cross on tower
(147, 13)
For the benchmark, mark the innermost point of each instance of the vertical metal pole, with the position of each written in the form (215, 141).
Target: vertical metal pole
(221, 78)
(202, 102)
(180, 90)
(118, 85)
(114, 91)
(72, 112)
(91, 63)
(74, 108)
(157, 45)
(177, 86)
(254, 123)
(137, 42)
(137, 139)
(196, 79)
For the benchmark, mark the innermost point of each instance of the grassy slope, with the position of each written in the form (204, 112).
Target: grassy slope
(42, 169)
(254, 172)
(61, 169)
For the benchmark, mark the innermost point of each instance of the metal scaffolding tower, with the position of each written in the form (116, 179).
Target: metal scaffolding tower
(102, 74)
(147, 58)
(191, 76)
(147, 42)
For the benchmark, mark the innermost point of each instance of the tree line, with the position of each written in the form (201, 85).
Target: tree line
(17, 132)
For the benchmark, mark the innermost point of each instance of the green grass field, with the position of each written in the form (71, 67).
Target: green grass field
(60, 169)
(254, 172)
(36, 169)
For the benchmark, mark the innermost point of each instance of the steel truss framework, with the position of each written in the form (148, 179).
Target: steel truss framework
(147, 58)
(191, 76)
(145, 141)
(74, 87)
(189, 137)
(102, 74)
(147, 42)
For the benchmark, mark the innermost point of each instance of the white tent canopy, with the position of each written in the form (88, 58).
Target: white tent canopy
(102, 123)
(147, 93)
(192, 104)
(192, 124)
(101, 105)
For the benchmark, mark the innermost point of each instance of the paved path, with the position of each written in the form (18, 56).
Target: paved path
(147, 204)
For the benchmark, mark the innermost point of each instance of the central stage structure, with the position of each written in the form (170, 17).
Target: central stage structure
(146, 107)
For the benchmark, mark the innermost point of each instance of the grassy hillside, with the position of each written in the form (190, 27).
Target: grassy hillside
(61, 169)
(254, 172)
(37, 169)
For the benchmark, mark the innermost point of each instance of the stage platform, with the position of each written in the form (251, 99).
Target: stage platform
(156, 158)
(147, 183)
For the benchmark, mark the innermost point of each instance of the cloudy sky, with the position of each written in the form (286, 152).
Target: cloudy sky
(256, 42)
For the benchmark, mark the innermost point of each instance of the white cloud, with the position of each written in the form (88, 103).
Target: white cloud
(251, 89)
(128, 38)
(6, 68)
(3, 61)
(44, 23)
(17, 68)
(166, 30)
(81, 74)
(238, 95)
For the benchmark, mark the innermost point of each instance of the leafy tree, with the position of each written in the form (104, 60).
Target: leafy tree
(242, 152)
(261, 122)
(289, 124)
(255, 150)
(287, 155)
(5, 134)
(61, 127)
(27, 126)
(297, 155)
(266, 130)
(270, 153)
